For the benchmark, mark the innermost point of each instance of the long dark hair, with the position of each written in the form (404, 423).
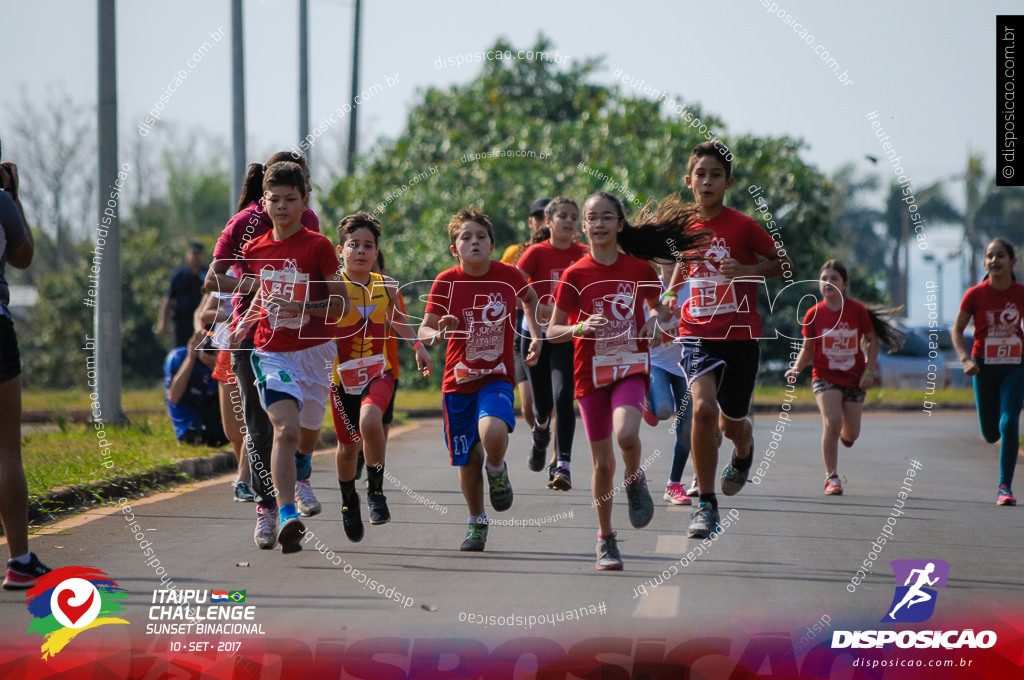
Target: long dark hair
(666, 234)
(885, 328)
(252, 187)
(1009, 252)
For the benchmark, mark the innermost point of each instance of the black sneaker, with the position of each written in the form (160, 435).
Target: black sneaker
(379, 513)
(23, 576)
(733, 478)
(541, 439)
(476, 537)
(608, 558)
(560, 479)
(641, 507)
(551, 475)
(351, 521)
(500, 489)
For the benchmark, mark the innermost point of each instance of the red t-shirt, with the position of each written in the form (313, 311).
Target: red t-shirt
(250, 223)
(296, 268)
(717, 309)
(838, 357)
(480, 352)
(997, 322)
(618, 292)
(543, 265)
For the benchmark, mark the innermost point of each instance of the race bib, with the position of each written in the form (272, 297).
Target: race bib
(711, 295)
(611, 368)
(356, 374)
(287, 283)
(840, 346)
(465, 374)
(1002, 350)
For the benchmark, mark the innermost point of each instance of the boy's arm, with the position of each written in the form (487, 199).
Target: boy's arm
(435, 328)
(424, 362)
(217, 280)
(771, 268)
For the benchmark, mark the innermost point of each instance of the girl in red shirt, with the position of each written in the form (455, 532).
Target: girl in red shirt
(599, 304)
(836, 332)
(996, 306)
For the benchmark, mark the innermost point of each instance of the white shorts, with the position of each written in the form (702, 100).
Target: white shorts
(304, 375)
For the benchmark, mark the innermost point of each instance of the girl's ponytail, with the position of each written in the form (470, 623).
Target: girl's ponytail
(889, 334)
(668, 234)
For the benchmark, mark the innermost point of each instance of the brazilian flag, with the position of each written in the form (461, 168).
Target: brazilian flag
(237, 596)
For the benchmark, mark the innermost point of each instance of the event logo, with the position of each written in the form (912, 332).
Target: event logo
(70, 600)
(914, 601)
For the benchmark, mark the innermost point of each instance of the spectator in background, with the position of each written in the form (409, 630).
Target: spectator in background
(186, 290)
(192, 400)
(16, 247)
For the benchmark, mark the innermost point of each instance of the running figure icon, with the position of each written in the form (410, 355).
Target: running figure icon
(915, 594)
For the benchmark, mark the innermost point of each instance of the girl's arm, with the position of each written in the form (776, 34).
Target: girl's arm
(803, 359)
(536, 334)
(250, 317)
(960, 345)
(868, 377)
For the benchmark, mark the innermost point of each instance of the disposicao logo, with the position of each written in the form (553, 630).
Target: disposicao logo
(913, 602)
(70, 600)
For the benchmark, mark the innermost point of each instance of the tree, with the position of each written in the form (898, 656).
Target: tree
(528, 128)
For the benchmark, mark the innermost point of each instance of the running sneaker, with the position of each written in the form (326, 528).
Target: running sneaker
(1005, 498)
(833, 487)
(694, 490)
(500, 489)
(23, 576)
(292, 528)
(676, 494)
(641, 507)
(733, 478)
(541, 439)
(649, 416)
(379, 513)
(266, 527)
(608, 558)
(476, 537)
(703, 522)
(351, 521)
(560, 479)
(243, 494)
(305, 501)
(551, 475)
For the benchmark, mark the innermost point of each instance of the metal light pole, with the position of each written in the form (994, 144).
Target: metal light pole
(107, 319)
(304, 73)
(237, 98)
(350, 161)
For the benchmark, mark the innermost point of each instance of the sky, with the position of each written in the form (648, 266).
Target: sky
(927, 68)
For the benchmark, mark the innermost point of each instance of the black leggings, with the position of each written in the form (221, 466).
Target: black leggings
(259, 436)
(551, 381)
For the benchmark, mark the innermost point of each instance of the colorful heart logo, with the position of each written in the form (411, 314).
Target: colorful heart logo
(74, 612)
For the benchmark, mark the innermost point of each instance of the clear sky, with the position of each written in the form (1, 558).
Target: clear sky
(927, 67)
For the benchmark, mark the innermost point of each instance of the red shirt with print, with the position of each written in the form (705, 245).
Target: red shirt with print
(997, 322)
(838, 357)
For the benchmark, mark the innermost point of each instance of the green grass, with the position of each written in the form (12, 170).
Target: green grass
(876, 395)
(66, 400)
(74, 457)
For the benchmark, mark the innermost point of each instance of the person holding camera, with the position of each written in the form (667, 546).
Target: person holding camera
(192, 400)
(16, 248)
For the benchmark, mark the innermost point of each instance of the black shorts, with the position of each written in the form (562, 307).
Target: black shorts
(389, 413)
(10, 359)
(852, 394)
(734, 363)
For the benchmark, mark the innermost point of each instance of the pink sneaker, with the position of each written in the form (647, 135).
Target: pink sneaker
(833, 487)
(649, 416)
(1005, 496)
(676, 494)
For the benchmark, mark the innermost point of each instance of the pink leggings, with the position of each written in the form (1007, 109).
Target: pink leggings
(596, 408)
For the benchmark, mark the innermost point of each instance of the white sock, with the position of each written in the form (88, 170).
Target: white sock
(562, 462)
(487, 464)
(23, 559)
(477, 519)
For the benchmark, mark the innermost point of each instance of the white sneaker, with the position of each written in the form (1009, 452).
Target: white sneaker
(305, 502)
(266, 528)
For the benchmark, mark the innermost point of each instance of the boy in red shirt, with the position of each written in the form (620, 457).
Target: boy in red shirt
(473, 306)
(299, 291)
(718, 324)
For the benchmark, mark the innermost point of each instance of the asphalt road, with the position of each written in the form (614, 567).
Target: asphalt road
(784, 563)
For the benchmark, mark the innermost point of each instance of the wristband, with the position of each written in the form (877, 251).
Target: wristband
(417, 344)
(578, 330)
(869, 372)
(670, 293)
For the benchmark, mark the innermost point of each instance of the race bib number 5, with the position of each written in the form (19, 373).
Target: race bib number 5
(612, 368)
(711, 295)
(356, 374)
(1002, 350)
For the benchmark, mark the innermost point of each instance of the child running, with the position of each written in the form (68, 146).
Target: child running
(996, 306)
(362, 378)
(551, 378)
(298, 291)
(249, 223)
(472, 305)
(835, 331)
(718, 324)
(599, 304)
